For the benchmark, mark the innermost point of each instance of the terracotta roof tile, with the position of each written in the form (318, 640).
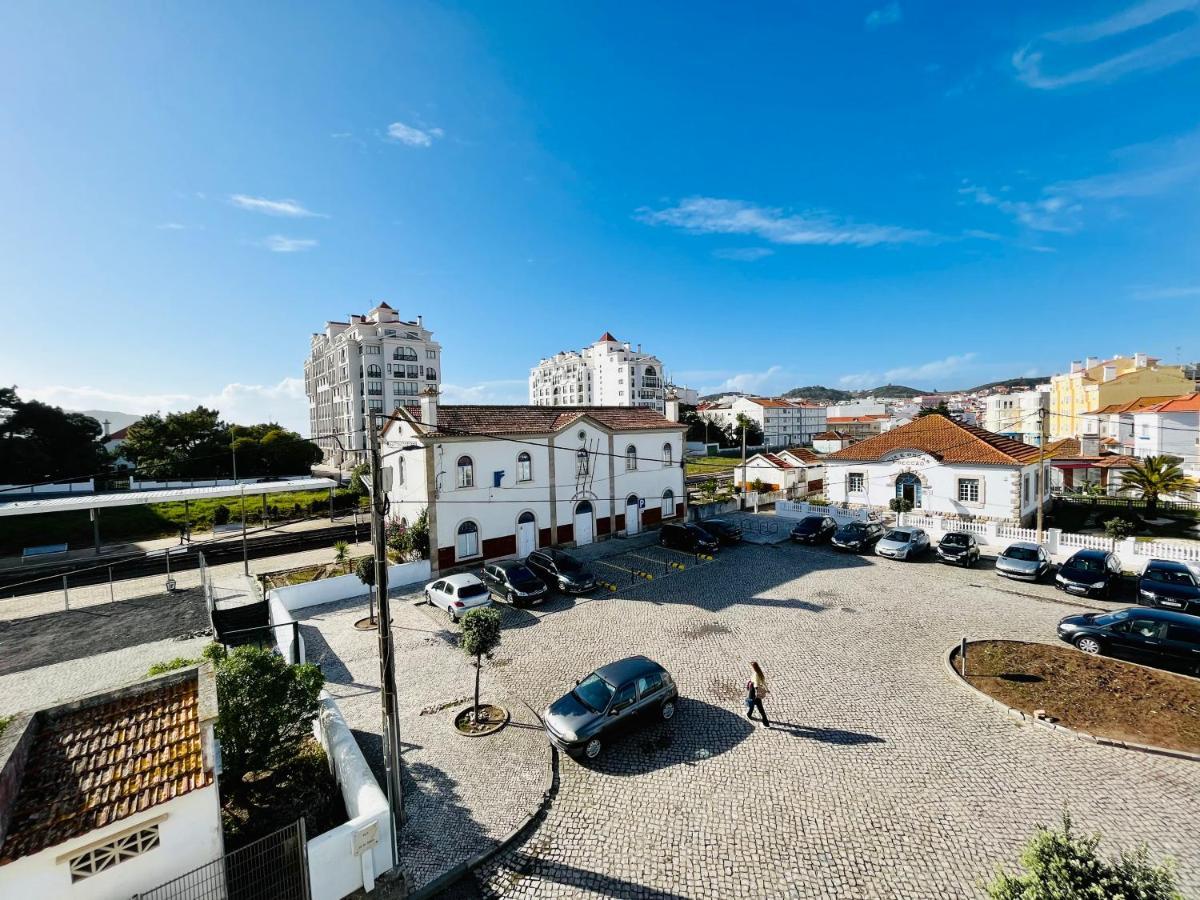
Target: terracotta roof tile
(832, 436)
(538, 420)
(1184, 403)
(607, 336)
(1132, 406)
(804, 454)
(98, 761)
(945, 440)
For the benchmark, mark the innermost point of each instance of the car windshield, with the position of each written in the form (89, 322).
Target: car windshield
(594, 692)
(1112, 617)
(1086, 564)
(854, 528)
(902, 536)
(472, 590)
(1025, 554)
(954, 540)
(567, 564)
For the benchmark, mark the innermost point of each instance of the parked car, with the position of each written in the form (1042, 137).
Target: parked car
(1160, 636)
(687, 537)
(560, 570)
(458, 594)
(958, 548)
(903, 543)
(814, 530)
(1170, 585)
(723, 530)
(515, 582)
(857, 536)
(1089, 573)
(615, 697)
(1024, 561)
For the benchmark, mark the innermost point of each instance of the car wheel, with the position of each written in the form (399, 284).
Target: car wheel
(453, 617)
(667, 710)
(1089, 644)
(428, 599)
(592, 748)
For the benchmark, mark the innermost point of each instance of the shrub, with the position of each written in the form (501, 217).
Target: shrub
(480, 637)
(161, 668)
(1060, 865)
(900, 504)
(357, 486)
(365, 570)
(341, 555)
(221, 515)
(1118, 528)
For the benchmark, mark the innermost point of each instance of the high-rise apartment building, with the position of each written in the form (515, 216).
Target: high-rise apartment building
(608, 373)
(1094, 384)
(376, 362)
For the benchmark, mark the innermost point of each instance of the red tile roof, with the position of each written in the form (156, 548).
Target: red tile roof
(539, 420)
(833, 436)
(118, 435)
(804, 454)
(1116, 462)
(944, 439)
(1132, 406)
(846, 420)
(1184, 403)
(776, 461)
(102, 759)
(607, 336)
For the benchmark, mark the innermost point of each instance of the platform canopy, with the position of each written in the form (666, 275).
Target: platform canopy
(169, 495)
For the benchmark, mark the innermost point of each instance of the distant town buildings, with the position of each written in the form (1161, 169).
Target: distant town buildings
(608, 373)
(1017, 414)
(1094, 384)
(784, 422)
(376, 362)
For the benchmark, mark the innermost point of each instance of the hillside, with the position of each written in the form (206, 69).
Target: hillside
(836, 395)
(1018, 383)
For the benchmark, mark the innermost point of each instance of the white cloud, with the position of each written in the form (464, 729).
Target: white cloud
(413, 136)
(923, 373)
(287, 208)
(743, 254)
(278, 243)
(769, 381)
(885, 15)
(171, 226)
(1090, 63)
(502, 391)
(245, 404)
(1166, 293)
(713, 215)
(1052, 214)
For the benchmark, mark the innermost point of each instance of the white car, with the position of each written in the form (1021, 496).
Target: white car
(458, 594)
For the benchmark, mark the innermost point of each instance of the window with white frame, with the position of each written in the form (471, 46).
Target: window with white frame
(466, 472)
(854, 482)
(968, 490)
(468, 540)
(524, 467)
(371, 350)
(668, 456)
(98, 859)
(630, 458)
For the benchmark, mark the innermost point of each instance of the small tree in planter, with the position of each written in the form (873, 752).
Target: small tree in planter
(480, 637)
(365, 570)
(1118, 529)
(341, 555)
(900, 505)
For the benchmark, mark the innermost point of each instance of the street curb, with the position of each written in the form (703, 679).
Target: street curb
(952, 674)
(464, 869)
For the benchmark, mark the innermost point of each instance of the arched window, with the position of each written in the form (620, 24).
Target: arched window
(651, 372)
(373, 371)
(466, 472)
(524, 467)
(526, 517)
(583, 508)
(582, 461)
(630, 458)
(405, 353)
(668, 503)
(908, 487)
(468, 540)
(668, 456)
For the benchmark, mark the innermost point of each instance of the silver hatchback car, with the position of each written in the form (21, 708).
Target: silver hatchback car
(903, 543)
(1024, 561)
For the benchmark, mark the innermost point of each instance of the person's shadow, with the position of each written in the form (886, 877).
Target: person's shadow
(826, 735)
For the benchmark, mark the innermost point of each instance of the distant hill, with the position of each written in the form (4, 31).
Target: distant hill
(836, 395)
(708, 398)
(1019, 383)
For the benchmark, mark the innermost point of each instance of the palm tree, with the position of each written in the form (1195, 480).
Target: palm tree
(341, 554)
(1155, 477)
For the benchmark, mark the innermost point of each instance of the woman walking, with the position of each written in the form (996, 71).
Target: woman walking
(756, 691)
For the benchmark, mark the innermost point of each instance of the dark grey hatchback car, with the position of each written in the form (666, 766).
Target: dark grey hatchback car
(616, 697)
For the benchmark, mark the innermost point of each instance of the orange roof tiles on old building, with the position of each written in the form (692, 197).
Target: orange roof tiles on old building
(489, 421)
(944, 439)
(1137, 405)
(804, 454)
(1182, 403)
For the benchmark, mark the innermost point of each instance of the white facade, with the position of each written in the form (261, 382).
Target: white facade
(831, 442)
(608, 373)
(1016, 415)
(780, 471)
(500, 496)
(1170, 433)
(377, 362)
(784, 422)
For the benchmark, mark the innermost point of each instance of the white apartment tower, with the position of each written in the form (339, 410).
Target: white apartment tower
(608, 373)
(373, 363)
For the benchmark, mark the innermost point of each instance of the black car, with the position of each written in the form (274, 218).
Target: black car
(1089, 573)
(560, 570)
(814, 530)
(513, 580)
(1156, 635)
(686, 537)
(958, 548)
(857, 536)
(613, 698)
(1170, 585)
(723, 530)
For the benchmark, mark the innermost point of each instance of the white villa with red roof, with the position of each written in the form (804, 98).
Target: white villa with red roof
(798, 471)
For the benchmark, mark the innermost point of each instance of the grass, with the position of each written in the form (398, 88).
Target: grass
(710, 465)
(4, 721)
(1094, 694)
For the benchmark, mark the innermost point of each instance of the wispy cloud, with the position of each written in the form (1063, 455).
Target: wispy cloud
(1178, 292)
(713, 215)
(922, 373)
(505, 390)
(278, 243)
(743, 254)
(771, 380)
(1088, 52)
(170, 226)
(288, 208)
(885, 15)
(413, 136)
(1053, 213)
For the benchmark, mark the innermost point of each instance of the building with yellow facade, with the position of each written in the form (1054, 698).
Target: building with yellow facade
(1096, 383)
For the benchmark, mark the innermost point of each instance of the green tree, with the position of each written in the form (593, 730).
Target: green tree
(480, 637)
(39, 442)
(1060, 865)
(179, 445)
(1155, 477)
(754, 433)
(358, 486)
(940, 410)
(265, 709)
(1118, 528)
(341, 555)
(410, 541)
(364, 570)
(221, 515)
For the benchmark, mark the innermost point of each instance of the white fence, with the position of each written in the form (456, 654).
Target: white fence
(1134, 554)
(798, 510)
(59, 487)
(335, 870)
(135, 485)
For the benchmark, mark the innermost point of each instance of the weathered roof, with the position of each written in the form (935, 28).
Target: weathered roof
(944, 439)
(804, 454)
(846, 420)
(1135, 405)
(104, 758)
(489, 421)
(832, 436)
(1185, 403)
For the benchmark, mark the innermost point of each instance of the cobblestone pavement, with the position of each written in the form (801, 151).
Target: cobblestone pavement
(880, 779)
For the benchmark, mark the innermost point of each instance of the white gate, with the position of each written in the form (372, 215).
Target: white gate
(633, 518)
(584, 530)
(526, 535)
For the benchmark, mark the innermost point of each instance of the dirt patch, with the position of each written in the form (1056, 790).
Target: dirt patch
(1099, 695)
(490, 720)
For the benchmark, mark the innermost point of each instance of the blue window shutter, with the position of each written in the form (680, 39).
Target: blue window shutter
(497, 477)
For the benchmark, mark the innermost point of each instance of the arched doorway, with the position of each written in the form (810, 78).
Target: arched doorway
(585, 530)
(908, 487)
(526, 534)
(633, 516)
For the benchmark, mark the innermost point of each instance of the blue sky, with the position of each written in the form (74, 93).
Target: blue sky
(930, 193)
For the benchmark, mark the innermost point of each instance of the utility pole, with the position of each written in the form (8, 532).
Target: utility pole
(1043, 415)
(387, 663)
(245, 554)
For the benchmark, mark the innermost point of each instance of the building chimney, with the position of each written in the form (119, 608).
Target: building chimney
(1089, 445)
(1110, 372)
(1091, 361)
(1140, 360)
(429, 407)
(672, 406)
(1076, 366)
(106, 423)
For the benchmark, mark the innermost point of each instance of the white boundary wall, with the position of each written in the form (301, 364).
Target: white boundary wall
(789, 510)
(58, 487)
(136, 485)
(334, 869)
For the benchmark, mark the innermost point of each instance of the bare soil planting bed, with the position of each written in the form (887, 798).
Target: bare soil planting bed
(1098, 695)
